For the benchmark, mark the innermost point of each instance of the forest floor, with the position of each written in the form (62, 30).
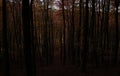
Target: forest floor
(74, 71)
(68, 71)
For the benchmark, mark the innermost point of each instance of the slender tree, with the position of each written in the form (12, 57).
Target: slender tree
(46, 38)
(117, 34)
(106, 23)
(94, 33)
(72, 30)
(85, 35)
(102, 33)
(27, 38)
(32, 30)
(79, 33)
(64, 32)
(5, 38)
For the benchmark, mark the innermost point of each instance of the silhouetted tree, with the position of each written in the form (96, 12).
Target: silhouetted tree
(79, 33)
(85, 36)
(93, 33)
(64, 32)
(72, 30)
(117, 34)
(5, 38)
(27, 38)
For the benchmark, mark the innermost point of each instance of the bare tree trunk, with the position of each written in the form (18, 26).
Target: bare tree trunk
(79, 33)
(72, 29)
(64, 31)
(106, 29)
(32, 30)
(117, 34)
(5, 38)
(93, 32)
(51, 38)
(27, 38)
(85, 35)
(45, 26)
(102, 34)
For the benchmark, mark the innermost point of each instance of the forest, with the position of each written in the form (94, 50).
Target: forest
(59, 37)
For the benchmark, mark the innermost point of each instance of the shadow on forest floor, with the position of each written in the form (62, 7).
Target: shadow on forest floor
(68, 71)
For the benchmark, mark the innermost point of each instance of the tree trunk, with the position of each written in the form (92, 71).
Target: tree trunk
(27, 38)
(5, 38)
(117, 34)
(64, 32)
(85, 35)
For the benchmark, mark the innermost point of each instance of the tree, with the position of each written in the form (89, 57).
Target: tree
(93, 33)
(27, 38)
(5, 38)
(117, 34)
(85, 35)
(79, 33)
(71, 31)
(63, 15)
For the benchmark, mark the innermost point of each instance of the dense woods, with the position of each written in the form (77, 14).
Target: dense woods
(58, 33)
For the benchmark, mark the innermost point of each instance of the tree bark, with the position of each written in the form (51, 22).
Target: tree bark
(5, 38)
(117, 34)
(85, 35)
(27, 38)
